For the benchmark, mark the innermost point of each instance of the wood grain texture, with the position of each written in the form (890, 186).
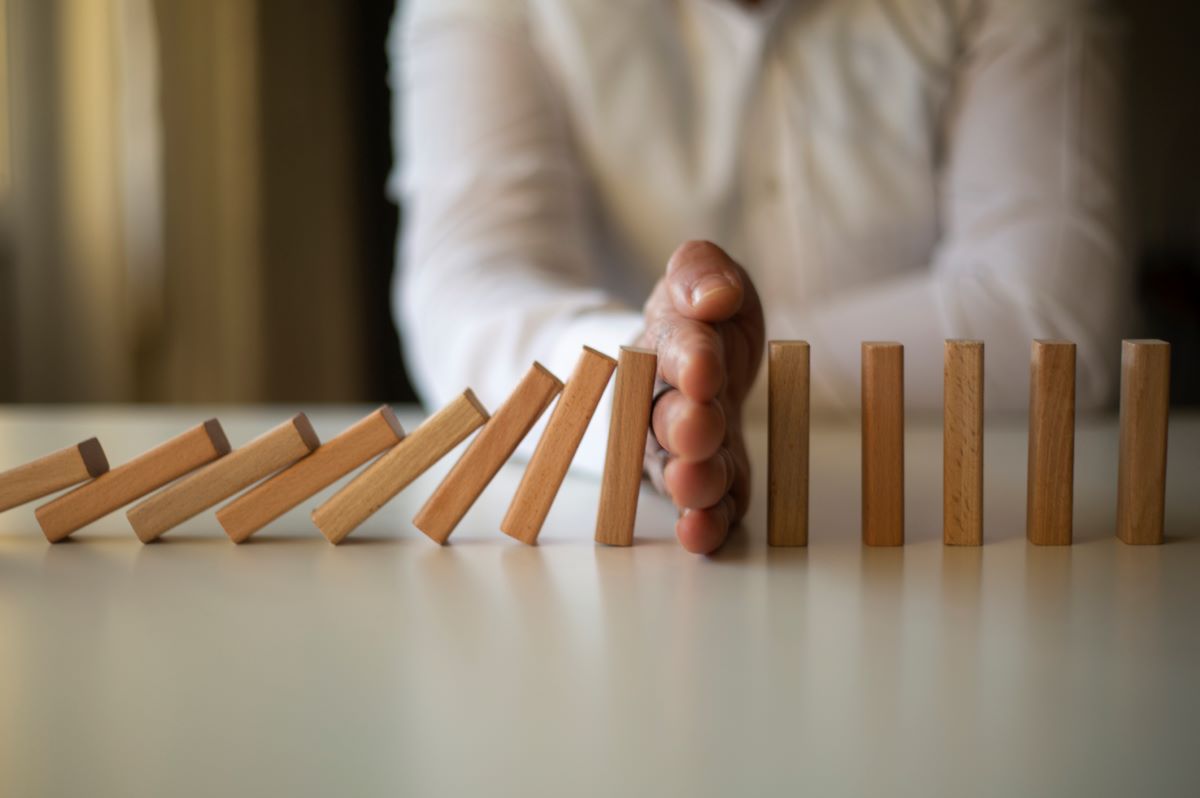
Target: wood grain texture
(548, 467)
(491, 448)
(126, 483)
(882, 443)
(962, 444)
(261, 457)
(1142, 467)
(787, 444)
(332, 460)
(381, 481)
(54, 472)
(1051, 472)
(621, 484)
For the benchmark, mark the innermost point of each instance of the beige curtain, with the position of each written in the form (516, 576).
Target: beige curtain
(151, 246)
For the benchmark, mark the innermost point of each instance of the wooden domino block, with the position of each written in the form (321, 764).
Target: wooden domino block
(266, 454)
(335, 458)
(379, 483)
(619, 489)
(1051, 472)
(126, 483)
(787, 447)
(962, 444)
(552, 457)
(491, 448)
(1142, 470)
(882, 443)
(52, 473)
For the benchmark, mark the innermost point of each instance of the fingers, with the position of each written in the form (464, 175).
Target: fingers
(702, 483)
(704, 283)
(703, 531)
(691, 356)
(688, 430)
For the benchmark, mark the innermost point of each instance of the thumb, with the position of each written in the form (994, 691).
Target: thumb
(704, 283)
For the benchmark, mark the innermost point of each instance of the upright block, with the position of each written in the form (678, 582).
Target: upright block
(552, 457)
(335, 458)
(266, 454)
(145, 473)
(621, 484)
(1142, 473)
(494, 444)
(787, 447)
(882, 443)
(379, 483)
(51, 473)
(962, 444)
(1051, 472)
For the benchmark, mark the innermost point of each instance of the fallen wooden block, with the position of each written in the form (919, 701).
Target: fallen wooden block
(491, 448)
(546, 470)
(266, 454)
(52, 473)
(962, 444)
(335, 458)
(787, 443)
(379, 483)
(126, 483)
(621, 484)
(1051, 473)
(882, 443)
(1142, 469)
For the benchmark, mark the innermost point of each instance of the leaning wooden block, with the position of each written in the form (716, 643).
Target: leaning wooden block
(1142, 470)
(379, 483)
(1051, 474)
(787, 443)
(491, 449)
(147, 472)
(552, 457)
(962, 444)
(621, 484)
(882, 443)
(266, 454)
(335, 458)
(52, 473)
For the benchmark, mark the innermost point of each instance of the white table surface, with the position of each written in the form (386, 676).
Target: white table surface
(392, 666)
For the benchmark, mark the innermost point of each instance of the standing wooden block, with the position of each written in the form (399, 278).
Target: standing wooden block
(552, 457)
(491, 448)
(1142, 473)
(131, 481)
(632, 396)
(962, 444)
(335, 458)
(882, 443)
(266, 454)
(379, 483)
(1051, 473)
(787, 447)
(51, 473)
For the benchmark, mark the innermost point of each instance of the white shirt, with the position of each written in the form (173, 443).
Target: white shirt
(908, 170)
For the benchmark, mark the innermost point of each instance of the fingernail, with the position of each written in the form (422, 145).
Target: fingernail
(707, 286)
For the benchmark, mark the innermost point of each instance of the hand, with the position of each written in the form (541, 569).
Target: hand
(705, 321)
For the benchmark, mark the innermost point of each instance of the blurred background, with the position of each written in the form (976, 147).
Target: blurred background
(192, 199)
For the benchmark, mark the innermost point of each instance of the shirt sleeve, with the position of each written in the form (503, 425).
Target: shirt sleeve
(1030, 203)
(496, 265)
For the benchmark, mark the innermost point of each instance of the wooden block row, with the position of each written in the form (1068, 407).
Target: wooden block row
(258, 459)
(362, 497)
(491, 448)
(114, 489)
(335, 458)
(52, 473)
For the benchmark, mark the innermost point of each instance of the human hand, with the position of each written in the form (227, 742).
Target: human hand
(705, 321)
